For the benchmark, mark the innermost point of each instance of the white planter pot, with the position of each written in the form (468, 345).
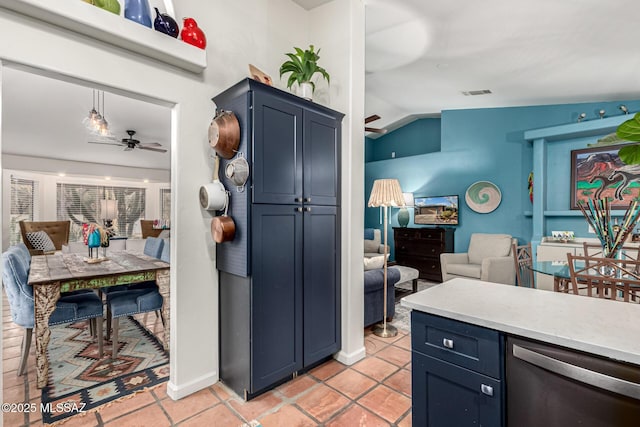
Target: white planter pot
(305, 90)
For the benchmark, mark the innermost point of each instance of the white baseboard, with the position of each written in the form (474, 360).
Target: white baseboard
(351, 358)
(178, 392)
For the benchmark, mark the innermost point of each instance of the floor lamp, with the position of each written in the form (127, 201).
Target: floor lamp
(385, 193)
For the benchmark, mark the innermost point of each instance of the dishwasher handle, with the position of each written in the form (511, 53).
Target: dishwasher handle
(587, 376)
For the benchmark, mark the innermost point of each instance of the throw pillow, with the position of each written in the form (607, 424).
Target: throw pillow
(371, 246)
(374, 262)
(40, 240)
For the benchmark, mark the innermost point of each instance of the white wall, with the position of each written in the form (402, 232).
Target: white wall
(238, 32)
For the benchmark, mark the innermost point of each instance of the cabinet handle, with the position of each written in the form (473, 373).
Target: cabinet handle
(486, 389)
(447, 343)
(298, 199)
(307, 199)
(298, 209)
(307, 209)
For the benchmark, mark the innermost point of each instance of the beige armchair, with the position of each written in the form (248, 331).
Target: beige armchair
(488, 258)
(374, 247)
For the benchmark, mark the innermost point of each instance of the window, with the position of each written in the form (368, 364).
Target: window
(23, 204)
(165, 204)
(81, 204)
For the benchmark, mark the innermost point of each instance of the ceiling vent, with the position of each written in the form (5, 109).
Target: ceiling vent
(476, 92)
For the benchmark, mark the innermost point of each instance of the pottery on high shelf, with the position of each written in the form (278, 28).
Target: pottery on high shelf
(138, 11)
(192, 34)
(166, 24)
(112, 6)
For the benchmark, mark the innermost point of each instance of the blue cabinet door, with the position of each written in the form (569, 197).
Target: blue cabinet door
(276, 294)
(446, 395)
(321, 153)
(277, 150)
(321, 283)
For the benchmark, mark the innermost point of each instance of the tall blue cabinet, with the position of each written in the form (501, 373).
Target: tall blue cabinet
(280, 276)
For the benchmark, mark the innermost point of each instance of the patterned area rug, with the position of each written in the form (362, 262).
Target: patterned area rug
(402, 318)
(79, 381)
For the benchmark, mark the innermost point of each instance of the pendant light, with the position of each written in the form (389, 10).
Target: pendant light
(92, 121)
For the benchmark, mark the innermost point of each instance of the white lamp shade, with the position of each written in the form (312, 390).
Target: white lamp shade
(385, 193)
(108, 209)
(408, 199)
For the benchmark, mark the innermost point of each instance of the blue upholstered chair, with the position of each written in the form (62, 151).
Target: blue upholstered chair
(136, 298)
(70, 308)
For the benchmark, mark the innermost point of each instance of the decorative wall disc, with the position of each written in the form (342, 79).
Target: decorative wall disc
(483, 196)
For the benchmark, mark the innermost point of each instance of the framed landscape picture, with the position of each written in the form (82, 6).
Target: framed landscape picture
(599, 173)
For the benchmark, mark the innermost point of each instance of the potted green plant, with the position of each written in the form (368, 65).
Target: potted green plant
(302, 65)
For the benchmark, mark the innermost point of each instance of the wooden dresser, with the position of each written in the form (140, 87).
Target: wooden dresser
(420, 248)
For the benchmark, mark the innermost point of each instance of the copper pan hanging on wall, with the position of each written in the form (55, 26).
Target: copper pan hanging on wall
(224, 134)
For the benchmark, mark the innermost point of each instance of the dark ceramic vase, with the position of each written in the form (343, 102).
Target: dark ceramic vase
(138, 11)
(192, 34)
(166, 24)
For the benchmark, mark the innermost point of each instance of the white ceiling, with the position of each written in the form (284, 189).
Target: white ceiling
(311, 4)
(421, 55)
(42, 117)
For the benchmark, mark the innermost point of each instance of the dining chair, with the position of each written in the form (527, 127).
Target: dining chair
(146, 227)
(523, 262)
(56, 234)
(70, 308)
(607, 278)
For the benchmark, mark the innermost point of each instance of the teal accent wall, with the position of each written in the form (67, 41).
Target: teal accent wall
(488, 145)
(418, 137)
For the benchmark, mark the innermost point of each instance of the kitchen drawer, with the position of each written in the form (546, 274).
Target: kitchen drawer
(472, 347)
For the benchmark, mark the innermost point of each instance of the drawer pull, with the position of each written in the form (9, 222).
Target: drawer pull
(486, 389)
(447, 343)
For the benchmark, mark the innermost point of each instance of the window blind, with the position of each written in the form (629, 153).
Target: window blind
(80, 204)
(23, 205)
(165, 204)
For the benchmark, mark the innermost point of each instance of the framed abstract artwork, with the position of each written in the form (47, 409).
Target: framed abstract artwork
(598, 172)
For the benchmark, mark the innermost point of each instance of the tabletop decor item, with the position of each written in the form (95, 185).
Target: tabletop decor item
(95, 237)
(138, 11)
(192, 34)
(598, 215)
(166, 24)
(483, 196)
(302, 66)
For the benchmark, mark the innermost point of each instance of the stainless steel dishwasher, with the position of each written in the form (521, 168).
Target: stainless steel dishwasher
(551, 386)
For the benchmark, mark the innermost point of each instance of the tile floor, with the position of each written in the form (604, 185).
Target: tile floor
(376, 391)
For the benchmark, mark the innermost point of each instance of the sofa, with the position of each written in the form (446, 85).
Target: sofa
(374, 295)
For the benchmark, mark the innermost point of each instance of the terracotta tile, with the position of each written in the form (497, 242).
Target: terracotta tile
(82, 420)
(404, 342)
(386, 403)
(395, 355)
(125, 406)
(12, 341)
(13, 394)
(181, 409)
(152, 415)
(400, 381)
(289, 416)
(327, 370)
(356, 415)
(388, 340)
(255, 407)
(222, 391)
(373, 346)
(161, 392)
(406, 421)
(35, 417)
(377, 369)
(13, 419)
(322, 402)
(351, 383)
(408, 366)
(219, 415)
(295, 387)
(11, 379)
(11, 364)
(12, 332)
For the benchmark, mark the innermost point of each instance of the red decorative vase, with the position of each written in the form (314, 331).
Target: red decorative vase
(192, 34)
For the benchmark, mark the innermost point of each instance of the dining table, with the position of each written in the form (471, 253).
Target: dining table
(65, 272)
(558, 269)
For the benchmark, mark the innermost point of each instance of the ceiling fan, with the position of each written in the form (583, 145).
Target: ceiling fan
(375, 130)
(131, 143)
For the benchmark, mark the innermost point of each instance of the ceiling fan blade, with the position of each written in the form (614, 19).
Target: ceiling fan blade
(105, 143)
(371, 119)
(159, 150)
(375, 130)
(152, 144)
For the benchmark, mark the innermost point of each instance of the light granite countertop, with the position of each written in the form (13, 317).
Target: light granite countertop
(601, 327)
